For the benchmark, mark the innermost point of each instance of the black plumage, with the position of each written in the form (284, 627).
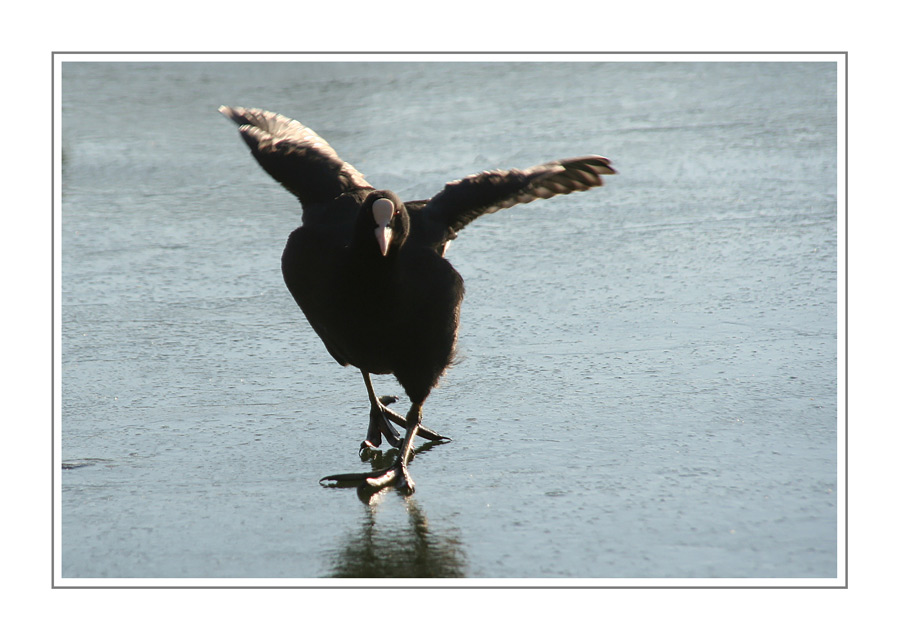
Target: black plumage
(369, 272)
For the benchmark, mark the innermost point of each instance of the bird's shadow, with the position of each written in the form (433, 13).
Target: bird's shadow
(412, 550)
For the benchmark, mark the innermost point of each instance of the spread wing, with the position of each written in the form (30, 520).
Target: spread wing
(295, 155)
(464, 200)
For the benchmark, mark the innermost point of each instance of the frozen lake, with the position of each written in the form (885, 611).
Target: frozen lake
(648, 376)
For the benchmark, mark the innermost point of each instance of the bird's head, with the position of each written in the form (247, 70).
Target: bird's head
(384, 215)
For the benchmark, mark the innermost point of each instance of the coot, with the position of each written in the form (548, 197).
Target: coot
(368, 269)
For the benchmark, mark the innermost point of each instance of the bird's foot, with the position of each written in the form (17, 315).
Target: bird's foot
(391, 471)
(424, 432)
(396, 475)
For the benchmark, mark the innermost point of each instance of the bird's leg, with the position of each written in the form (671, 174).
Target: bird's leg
(378, 419)
(413, 419)
(398, 473)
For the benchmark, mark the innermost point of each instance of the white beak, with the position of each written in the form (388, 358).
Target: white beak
(382, 212)
(383, 235)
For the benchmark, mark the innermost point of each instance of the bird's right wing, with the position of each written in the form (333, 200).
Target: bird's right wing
(295, 155)
(464, 200)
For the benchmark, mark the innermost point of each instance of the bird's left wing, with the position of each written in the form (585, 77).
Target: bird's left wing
(462, 201)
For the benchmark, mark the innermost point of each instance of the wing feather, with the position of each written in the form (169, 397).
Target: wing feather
(462, 201)
(296, 156)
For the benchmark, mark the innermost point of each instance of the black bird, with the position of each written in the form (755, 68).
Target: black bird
(368, 270)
